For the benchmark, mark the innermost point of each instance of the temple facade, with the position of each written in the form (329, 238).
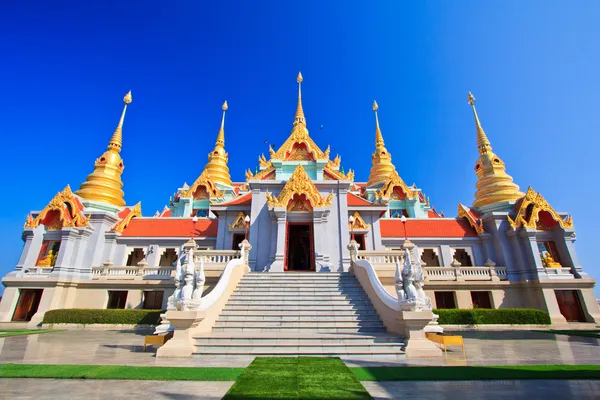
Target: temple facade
(299, 211)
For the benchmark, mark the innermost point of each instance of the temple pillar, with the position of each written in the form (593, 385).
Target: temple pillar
(67, 254)
(110, 243)
(532, 254)
(569, 241)
(518, 271)
(280, 215)
(33, 238)
(321, 244)
(447, 255)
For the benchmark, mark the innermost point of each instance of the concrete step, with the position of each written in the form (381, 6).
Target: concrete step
(285, 296)
(301, 307)
(299, 303)
(297, 350)
(298, 318)
(297, 289)
(296, 338)
(297, 313)
(246, 329)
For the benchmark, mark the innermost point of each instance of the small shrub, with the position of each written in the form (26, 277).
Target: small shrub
(483, 316)
(98, 316)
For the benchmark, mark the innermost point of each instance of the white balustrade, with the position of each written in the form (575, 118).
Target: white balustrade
(215, 259)
(131, 272)
(385, 259)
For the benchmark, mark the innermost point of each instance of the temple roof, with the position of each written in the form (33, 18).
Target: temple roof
(170, 227)
(243, 200)
(357, 201)
(437, 227)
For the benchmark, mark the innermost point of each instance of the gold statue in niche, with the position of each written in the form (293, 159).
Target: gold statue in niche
(47, 261)
(548, 261)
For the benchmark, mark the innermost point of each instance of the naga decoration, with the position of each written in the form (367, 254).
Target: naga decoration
(134, 212)
(528, 214)
(475, 222)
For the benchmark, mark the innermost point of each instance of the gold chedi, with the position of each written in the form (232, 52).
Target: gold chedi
(494, 185)
(382, 167)
(217, 167)
(104, 185)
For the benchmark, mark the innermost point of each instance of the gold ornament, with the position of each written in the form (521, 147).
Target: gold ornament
(104, 184)
(46, 261)
(69, 213)
(300, 184)
(529, 209)
(549, 262)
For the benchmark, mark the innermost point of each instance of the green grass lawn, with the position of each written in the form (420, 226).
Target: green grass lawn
(21, 332)
(477, 373)
(297, 378)
(584, 333)
(68, 371)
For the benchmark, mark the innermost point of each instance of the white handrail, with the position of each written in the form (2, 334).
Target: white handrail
(383, 294)
(210, 299)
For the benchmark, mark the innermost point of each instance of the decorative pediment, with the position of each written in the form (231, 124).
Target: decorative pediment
(135, 211)
(205, 187)
(475, 222)
(393, 182)
(299, 145)
(239, 222)
(299, 203)
(331, 172)
(528, 214)
(262, 161)
(300, 184)
(359, 223)
(63, 211)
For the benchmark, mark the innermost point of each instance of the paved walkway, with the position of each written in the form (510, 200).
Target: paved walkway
(89, 389)
(125, 348)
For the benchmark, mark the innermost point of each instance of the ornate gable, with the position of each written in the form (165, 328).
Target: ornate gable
(528, 214)
(359, 223)
(203, 181)
(239, 222)
(63, 211)
(299, 147)
(394, 181)
(265, 174)
(474, 220)
(299, 184)
(135, 211)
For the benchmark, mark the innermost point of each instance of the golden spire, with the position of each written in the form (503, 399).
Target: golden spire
(494, 185)
(217, 159)
(382, 167)
(378, 136)
(104, 185)
(116, 142)
(299, 118)
(483, 142)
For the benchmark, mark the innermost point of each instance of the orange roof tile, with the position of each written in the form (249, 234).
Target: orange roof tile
(152, 227)
(357, 201)
(427, 228)
(244, 200)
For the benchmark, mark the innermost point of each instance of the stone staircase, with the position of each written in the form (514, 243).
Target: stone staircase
(299, 313)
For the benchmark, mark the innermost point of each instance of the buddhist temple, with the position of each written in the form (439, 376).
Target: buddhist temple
(299, 212)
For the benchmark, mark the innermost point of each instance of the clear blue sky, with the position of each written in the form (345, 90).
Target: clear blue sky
(66, 65)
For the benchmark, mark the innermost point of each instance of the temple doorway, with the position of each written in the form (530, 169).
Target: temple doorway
(299, 247)
(27, 306)
(569, 305)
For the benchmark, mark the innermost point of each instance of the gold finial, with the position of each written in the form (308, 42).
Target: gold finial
(299, 118)
(217, 159)
(116, 142)
(104, 185)
(378, 136)
(382, 167)
(494, 185)
(483, 142)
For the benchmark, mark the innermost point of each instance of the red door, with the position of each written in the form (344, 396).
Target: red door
(294, 242)
(29, 300)
(569, 305)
